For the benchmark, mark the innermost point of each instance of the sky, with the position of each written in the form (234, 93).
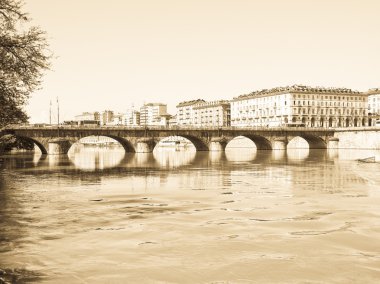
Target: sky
(119, 54)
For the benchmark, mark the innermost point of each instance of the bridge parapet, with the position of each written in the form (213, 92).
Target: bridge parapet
(144, 139)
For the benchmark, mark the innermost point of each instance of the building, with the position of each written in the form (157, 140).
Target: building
(215, 113)
(164, 120)
(373, 106)
(153, 114)
(185, 112)
(87, 116)
(173, 121)
(117, 119)
(86, 119)
(131, 118)
(106, 117)
(301, 105)
(97, 116)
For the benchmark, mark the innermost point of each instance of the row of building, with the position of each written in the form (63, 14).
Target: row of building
(148, 115)
(295, 105)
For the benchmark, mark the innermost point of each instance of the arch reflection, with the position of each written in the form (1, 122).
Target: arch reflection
(241, 154)
(297, 154)
(298, 143)
(88, 157)
(169, 157)
(241, 142)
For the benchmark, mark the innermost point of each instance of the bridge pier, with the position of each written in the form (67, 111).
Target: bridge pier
(279, 144)
(58, 146)
(333, 143)
(217, 144)
(144, 145)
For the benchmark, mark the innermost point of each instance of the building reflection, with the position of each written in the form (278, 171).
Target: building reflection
(297, 169)
(326, 176)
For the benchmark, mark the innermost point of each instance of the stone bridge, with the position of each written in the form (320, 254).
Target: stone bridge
(58, 140)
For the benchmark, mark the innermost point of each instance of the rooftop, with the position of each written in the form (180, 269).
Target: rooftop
(211, 104)
(298, 89)
(189, 103)
(373, 91)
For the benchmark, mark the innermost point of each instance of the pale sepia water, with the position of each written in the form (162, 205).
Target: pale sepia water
(240, 216)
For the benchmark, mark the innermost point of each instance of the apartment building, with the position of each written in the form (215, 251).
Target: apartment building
(373, 106)
(87, 116)
(131, 118)
(302, 105)
(185, 112)
(215, 113)
(152, 114)
(106, 117)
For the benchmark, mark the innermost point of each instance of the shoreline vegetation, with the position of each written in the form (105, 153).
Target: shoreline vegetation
(10, 142)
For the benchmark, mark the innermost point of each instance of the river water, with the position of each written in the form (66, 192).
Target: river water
(100, 215)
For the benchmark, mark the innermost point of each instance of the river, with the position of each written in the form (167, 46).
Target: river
(100, 215)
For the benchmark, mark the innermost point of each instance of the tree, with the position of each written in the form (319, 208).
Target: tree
(24, 56)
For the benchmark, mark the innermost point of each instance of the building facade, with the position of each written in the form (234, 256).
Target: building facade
(215, 113)
(87, 116)
(153, 114)
(301, 105)
(185, 112)
(373, 106)
(117, 119)
(172, 121)
(106, 117)
(131, 118)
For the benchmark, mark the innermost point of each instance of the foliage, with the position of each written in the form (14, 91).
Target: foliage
(9, 142)
(24, 56)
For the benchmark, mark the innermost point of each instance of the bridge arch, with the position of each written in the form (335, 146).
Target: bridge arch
(261, 142)
(126, 144)
(198, 143)
(40, 144)
(314, 142)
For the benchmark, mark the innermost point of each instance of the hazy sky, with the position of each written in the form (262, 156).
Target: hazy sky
(115, 53)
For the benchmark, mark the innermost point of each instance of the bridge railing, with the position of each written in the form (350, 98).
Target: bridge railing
(185, 127)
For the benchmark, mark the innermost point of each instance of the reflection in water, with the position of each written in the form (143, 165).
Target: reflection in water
(94, 157)
(297, 154)
(278, 155)
(72, 220)
(57, 160)
(171, 158)
(37, 156)
(241, 142)
(140, 159)
(241, 154)
(298, 143)
(333, 154)
(216, 156)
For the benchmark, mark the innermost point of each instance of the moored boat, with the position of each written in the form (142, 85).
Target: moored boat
(367, 160)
